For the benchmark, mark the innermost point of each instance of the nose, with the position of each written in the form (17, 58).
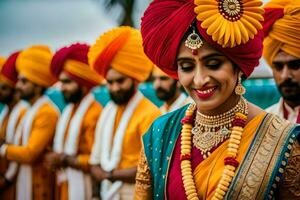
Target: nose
(62, 87)
(114, 87)
(200, 76)
(18, 85)
(285, 73)
(156, 83)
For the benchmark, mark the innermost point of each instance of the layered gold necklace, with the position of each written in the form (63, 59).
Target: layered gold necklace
(211, 130)
(231, 164)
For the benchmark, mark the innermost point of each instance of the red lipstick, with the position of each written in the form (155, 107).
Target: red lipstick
(205, 92)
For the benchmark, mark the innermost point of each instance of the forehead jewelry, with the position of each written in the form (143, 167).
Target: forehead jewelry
(193, 42)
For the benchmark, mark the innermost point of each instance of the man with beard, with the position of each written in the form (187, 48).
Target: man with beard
(282, 52)
(118, 56)
(37, 127)
(13, 112)
(74, 135)
(168, 90)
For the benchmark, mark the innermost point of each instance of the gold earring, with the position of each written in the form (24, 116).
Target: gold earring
(239, 88)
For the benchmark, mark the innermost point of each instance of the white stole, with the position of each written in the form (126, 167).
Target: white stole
(103, 153)
(13, 120)
(24, 179)
(77, 180)
(180, 101)
(13, 135)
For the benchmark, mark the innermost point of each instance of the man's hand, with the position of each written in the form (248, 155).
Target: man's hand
(2, 182)
(99, 174)
(53, 160)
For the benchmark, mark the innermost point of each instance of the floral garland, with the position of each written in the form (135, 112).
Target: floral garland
(230, 161)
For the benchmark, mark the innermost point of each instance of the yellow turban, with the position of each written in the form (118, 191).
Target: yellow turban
(121, 49)
(34, 64)
(282, 27)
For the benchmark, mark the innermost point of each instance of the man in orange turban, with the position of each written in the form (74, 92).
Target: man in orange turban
(282, 53)
(10, 118)
(37, 128)
(168, 90)
(118, 56)
(74, 135)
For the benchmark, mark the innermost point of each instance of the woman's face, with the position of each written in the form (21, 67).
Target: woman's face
(209, 77)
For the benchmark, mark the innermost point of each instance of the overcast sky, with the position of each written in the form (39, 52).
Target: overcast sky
(54, 23)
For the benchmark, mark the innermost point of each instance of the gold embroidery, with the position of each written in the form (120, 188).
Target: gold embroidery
(255, 172)
(143, 189)
(290, 187)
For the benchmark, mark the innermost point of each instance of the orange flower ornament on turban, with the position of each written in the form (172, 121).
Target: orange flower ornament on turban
(73, 60)
(9, 72)
(233, 27)
(281, 27)
(121, 49)
(34, 64)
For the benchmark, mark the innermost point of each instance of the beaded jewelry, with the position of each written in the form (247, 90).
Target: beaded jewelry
(209, 131)
(230, 161)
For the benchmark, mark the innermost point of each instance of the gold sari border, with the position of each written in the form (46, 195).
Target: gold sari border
(264, 162)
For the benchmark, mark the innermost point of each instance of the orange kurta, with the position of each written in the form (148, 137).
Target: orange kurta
(208, 173)
(86, 140)
(8, 193)
(39, 142)
(141, 119)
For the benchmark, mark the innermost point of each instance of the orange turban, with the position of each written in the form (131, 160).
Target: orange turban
(282, 27)
(2, 61)
(73, 60)
(121, 49)
(34, 64)
(158, 71)
(9, 72)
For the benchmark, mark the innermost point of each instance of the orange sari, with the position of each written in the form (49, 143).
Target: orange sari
(208, 173)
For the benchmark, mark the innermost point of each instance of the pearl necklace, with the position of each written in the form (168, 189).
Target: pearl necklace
(230, 161)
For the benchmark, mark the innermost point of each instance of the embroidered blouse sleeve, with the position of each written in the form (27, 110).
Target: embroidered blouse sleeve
(290, 186)
(143, 189)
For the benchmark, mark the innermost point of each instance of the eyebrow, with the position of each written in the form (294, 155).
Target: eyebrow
(202, 58)
(291, 61)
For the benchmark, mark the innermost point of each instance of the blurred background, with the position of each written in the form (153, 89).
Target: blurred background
(59, 23)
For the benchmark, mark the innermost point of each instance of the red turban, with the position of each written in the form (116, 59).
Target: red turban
(73, 60)
(9, 71)
(164, 25)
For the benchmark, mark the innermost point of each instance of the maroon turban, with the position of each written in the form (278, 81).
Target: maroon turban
(9, 70)
(73, 60)
(164, 25)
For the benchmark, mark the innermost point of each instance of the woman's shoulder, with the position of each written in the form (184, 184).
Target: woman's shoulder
(173, 117)
(166, 124)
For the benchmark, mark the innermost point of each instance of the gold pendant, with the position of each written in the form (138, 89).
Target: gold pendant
(205, 141)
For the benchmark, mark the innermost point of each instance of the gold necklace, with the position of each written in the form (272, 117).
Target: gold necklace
(230, 160)
(209, 131)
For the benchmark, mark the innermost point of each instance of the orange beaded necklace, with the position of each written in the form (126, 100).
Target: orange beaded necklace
(230, 161)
